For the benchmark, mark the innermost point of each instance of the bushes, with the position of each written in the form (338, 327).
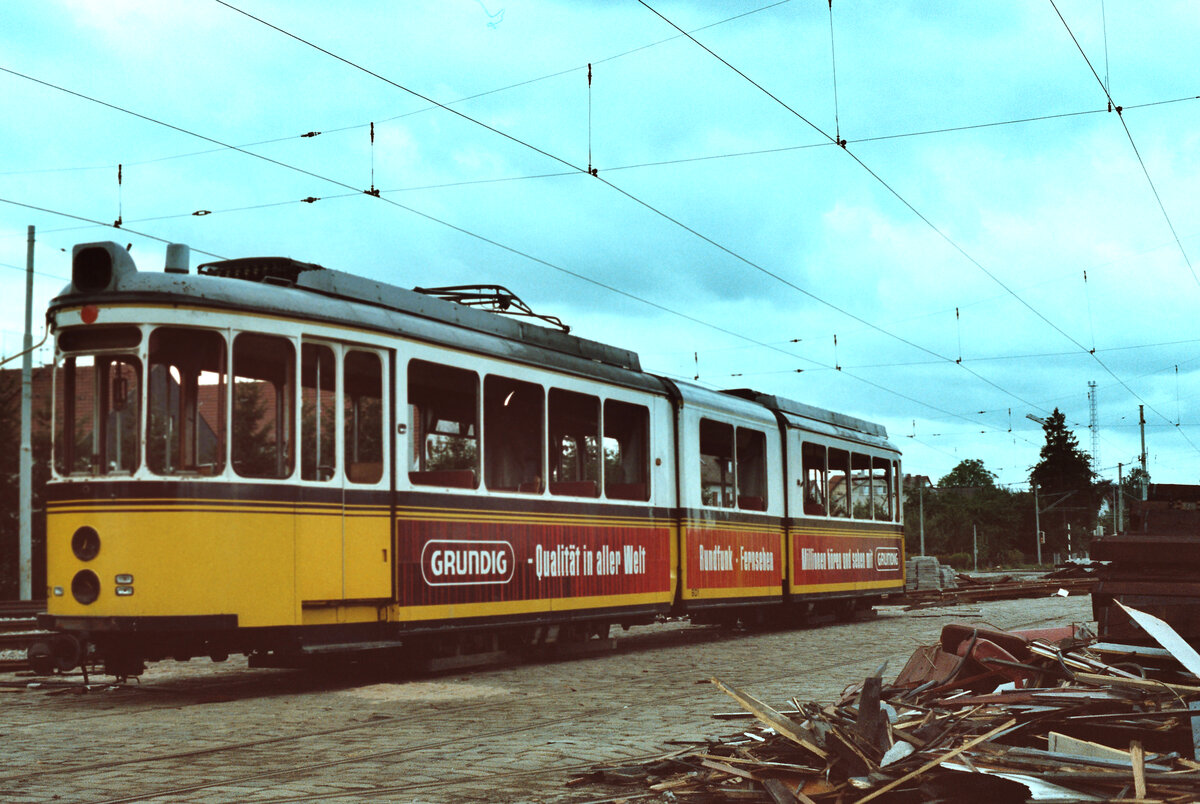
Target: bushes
(1011, 558)
(960, 561)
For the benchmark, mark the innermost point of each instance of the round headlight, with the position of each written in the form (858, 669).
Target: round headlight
(85, 544)
(85, 587)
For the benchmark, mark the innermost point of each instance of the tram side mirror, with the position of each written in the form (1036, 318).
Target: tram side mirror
(98, 267)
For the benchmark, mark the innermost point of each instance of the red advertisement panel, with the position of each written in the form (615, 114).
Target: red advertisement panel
(822, 559)
(456, 561)
(727, 558)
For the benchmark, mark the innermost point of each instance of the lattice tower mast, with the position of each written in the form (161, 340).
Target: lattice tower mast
(1093, 425)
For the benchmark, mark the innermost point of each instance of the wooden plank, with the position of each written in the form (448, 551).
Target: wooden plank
(771, 717)
(778, 791)
(1064, 744)
(1166, 636)
(933, 763)
(868, 721)
(1139, 769)
(842, 744)
(762, 763)
(726, 768)
(1134, 683)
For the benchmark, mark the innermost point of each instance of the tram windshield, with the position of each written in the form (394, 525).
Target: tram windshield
(97, 401)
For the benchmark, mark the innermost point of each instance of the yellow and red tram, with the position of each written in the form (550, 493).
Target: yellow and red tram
(270, 457)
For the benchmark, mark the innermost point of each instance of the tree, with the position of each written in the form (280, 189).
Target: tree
(968, 508)
(10, 434)
(1066, 486)
(969, 473)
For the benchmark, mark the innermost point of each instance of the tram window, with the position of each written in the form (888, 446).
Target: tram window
(752, 469)
(363, 411)
(716, 464)
(92, 338)
(574, 443)
(860, 486)
(443, 405)
(97, 402)
(318, 412)
(626, 451)
(839, 482)
(512, 435)
(881, 488)
(812, 457)
(264, 369)
(185, 430)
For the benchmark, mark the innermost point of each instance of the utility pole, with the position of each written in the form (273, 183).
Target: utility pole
(975, 544)
(921, 489)
(1037, 523)
(25, 470)
(1037, 512)
(1120, 500)
(1142, 427)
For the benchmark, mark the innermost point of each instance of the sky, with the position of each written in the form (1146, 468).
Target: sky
(989, 239)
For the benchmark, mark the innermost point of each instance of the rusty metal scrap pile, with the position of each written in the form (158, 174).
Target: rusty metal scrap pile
(985, 715)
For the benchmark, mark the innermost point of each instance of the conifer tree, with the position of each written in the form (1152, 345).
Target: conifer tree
(1066, 485)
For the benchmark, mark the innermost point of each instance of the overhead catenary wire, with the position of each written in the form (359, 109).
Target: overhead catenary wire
(353, 126)
(625, 193)
(477, 236)
(434, 219)
(95, 222)
(863, 321)
(618, 291)
(1104, 29)
(564, 174)
(1154, 189)
(633, 166)
(1129, 135)
(837, 124)
(954, 244)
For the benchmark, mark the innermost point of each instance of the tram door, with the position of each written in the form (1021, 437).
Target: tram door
(342, 533)
(366, 521)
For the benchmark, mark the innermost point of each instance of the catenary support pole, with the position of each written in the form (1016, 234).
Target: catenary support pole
(1142, 427)
(921, 487)
(1037, 523)
(25, 556)
(975, 545)
(1120, 500)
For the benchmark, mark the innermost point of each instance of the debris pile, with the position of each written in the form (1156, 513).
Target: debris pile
(985, 715)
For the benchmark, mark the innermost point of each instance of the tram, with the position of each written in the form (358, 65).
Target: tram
(273, 458)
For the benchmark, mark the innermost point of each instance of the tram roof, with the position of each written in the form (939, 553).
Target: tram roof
(283, 286)
(810, 417)
(757, 405)
(341, 285)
